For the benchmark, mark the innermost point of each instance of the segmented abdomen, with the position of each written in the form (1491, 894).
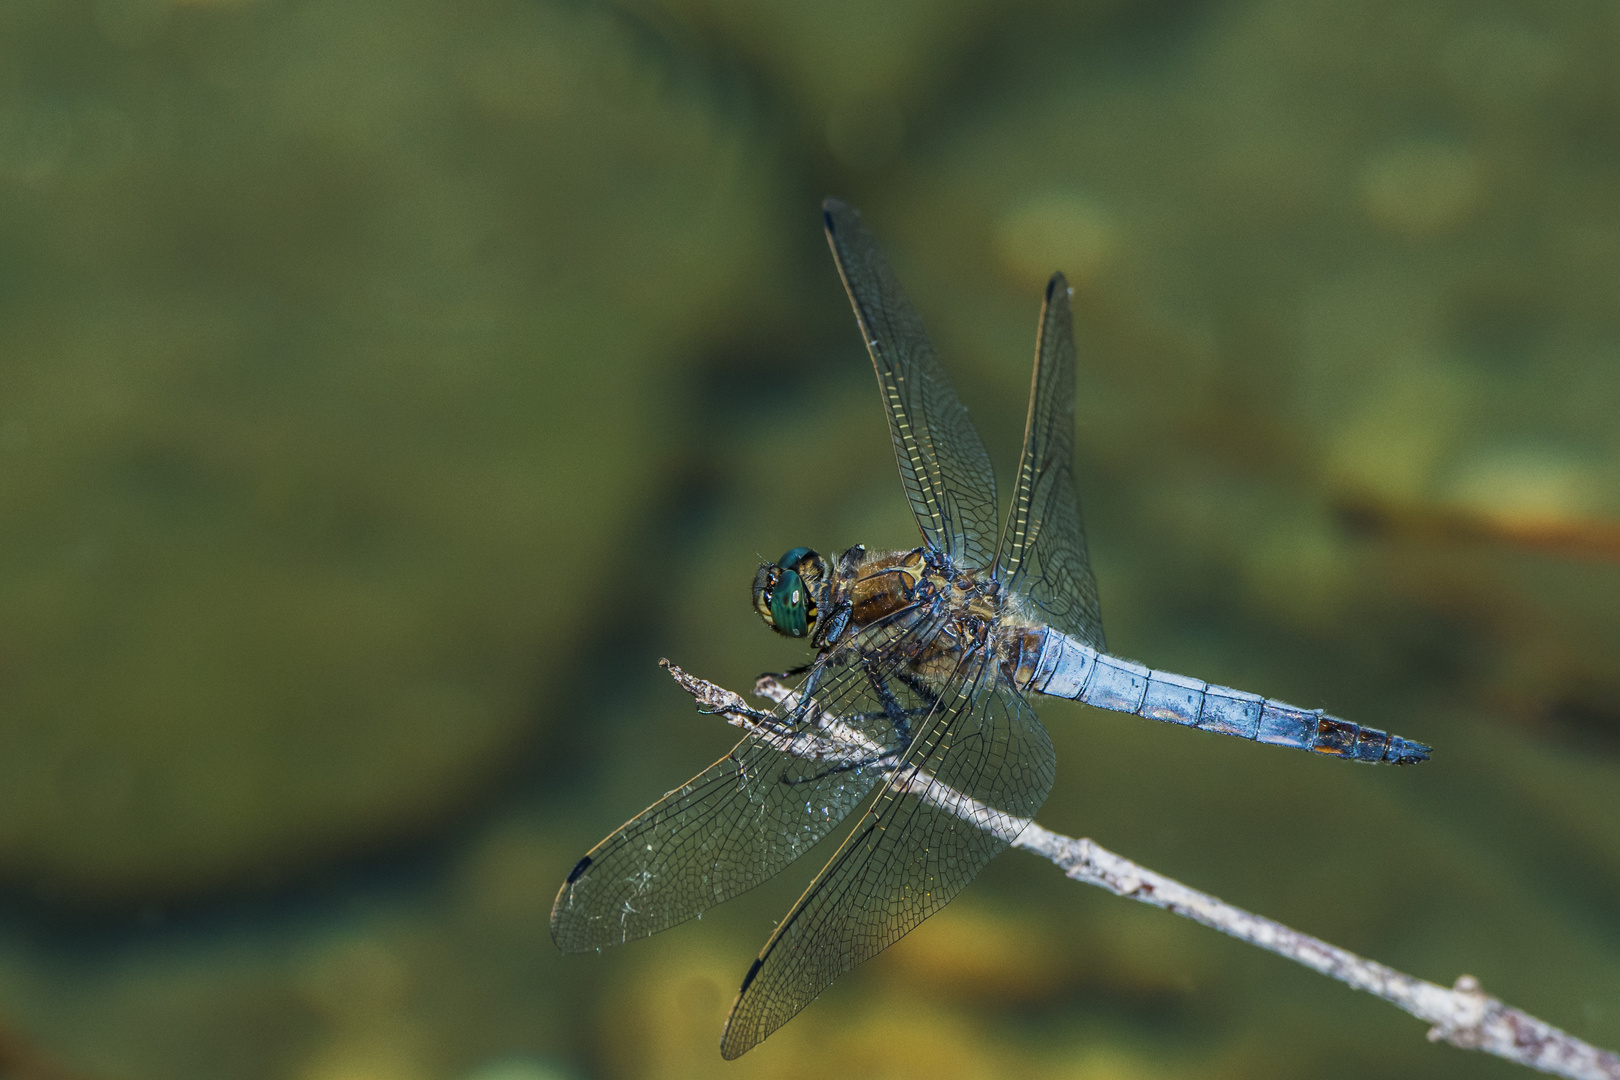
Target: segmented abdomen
(1067, 668)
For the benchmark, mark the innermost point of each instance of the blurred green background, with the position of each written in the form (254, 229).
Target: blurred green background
(385, 386)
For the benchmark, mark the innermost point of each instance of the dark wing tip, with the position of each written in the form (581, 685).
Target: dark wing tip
(833, 208)
(563, 936)
(734, 1044)
(1054, 284)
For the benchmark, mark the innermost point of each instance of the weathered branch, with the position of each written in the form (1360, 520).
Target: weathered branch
(1464, 1015)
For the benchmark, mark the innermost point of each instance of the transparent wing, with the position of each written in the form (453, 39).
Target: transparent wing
(943, 464)
(746, 817)
(982, 752)
(1042, 555)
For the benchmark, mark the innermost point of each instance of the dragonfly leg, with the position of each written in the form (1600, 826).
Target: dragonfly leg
(886, 758)
(756, 715)
(929, 695)
(790, 673)
(892, 708)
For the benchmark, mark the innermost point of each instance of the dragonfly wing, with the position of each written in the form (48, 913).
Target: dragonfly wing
(977, 771)
(746, 817)
(1042, 555)
(943, 463)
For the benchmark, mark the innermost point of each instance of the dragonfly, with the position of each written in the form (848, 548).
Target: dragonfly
(926, 660)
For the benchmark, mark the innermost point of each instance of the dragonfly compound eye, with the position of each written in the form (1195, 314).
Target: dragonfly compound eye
(808, 565)
(790, 605)
(782, 596)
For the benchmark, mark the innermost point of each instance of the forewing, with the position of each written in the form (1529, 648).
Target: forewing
(746, 817)
(1042, 554)
(943, 464)
(983, 765)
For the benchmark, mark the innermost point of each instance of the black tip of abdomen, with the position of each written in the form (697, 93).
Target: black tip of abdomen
(1405, 752)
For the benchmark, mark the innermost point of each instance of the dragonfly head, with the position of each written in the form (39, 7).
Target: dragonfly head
(785, 592)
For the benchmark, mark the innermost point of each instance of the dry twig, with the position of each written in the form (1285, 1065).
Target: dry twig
(1464, 1015)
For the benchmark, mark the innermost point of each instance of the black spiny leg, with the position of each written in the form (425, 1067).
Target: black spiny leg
(898, 717)
(929, 696)
(790, 673)
(920, 688)
(847, 766)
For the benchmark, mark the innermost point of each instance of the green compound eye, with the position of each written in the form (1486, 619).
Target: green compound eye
(791, 559)
(790, 605)
(786, 591)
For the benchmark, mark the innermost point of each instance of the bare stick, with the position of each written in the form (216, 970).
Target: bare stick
(1463, 1016)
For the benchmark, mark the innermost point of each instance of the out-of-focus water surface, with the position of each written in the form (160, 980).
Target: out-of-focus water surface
(385, 386)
